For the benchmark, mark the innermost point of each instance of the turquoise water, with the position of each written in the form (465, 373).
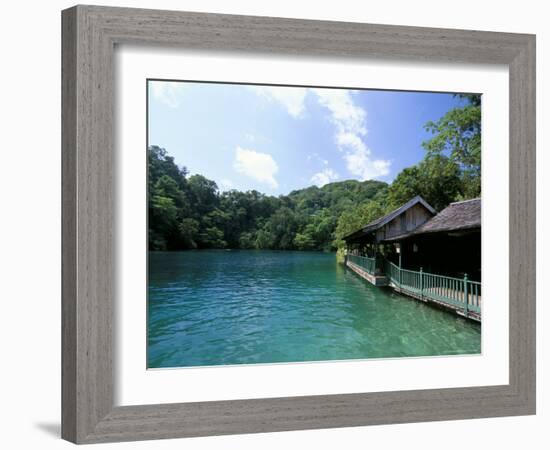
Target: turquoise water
(244, 307)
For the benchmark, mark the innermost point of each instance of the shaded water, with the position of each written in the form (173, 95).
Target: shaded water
(242, 307)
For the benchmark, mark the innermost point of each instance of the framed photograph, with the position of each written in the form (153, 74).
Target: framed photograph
(268, 222)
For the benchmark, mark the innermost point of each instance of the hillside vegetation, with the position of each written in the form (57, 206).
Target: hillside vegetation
(188, 212)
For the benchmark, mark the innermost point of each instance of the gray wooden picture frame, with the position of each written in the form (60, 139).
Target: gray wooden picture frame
(89, 36)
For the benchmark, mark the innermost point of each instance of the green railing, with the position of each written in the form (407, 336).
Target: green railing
(366, 263)
(458, 292)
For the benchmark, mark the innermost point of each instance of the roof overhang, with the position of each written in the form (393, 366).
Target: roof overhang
(453, 232)
(380, 222)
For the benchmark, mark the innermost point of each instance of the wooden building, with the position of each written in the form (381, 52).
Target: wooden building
(447, 244)
(399, 222)
(427, 255)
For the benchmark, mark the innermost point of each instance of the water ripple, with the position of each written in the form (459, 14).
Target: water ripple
(242, 307)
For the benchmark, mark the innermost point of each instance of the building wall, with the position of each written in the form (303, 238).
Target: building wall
(444, 254)
(407, 221)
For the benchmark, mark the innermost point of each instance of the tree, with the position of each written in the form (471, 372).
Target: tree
(167, 187)
(247, 240)
(163, 226)
(159, 163)
(265, 239)
(282, 227)
(188, 212)
(436, 178)
(458, 135)
(304, 241)
(188, 229)
(204, 193)
(212, 237)
(353, 220)
(320, 228)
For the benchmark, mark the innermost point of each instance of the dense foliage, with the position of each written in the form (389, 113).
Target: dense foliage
(451, 168)
(458, 135)
(187, 212)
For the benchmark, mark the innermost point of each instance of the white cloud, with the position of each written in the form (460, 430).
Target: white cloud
(358, 157)
(291, 98)
(350, 122)
(360, 164)
(167, 92)
(324, 177)
(259, 166)
(317, 157)
(345, 114)
(348, 118)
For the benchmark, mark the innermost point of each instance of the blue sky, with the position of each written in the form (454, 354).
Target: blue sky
(276, 139)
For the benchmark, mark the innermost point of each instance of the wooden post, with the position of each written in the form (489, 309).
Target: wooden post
(346, 252)
(400, 277)
(466, 294)
(421, 284)
(375, 254)
(400, 253)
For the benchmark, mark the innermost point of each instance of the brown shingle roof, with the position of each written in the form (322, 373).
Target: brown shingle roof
(456, 216)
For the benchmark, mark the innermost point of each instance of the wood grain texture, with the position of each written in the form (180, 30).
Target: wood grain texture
(88, 211)
(89, 36)
(522, 284)
(68, 224)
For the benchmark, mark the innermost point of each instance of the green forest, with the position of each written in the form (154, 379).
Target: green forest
(189, 211)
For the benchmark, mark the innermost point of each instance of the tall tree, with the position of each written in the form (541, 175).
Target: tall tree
(458, 135)
(436, 178)
(204, 193)
(352, 220)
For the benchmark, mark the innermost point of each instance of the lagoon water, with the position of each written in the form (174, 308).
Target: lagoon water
(244, 307)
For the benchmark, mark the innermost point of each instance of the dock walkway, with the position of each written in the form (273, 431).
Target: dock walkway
(459, 295)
